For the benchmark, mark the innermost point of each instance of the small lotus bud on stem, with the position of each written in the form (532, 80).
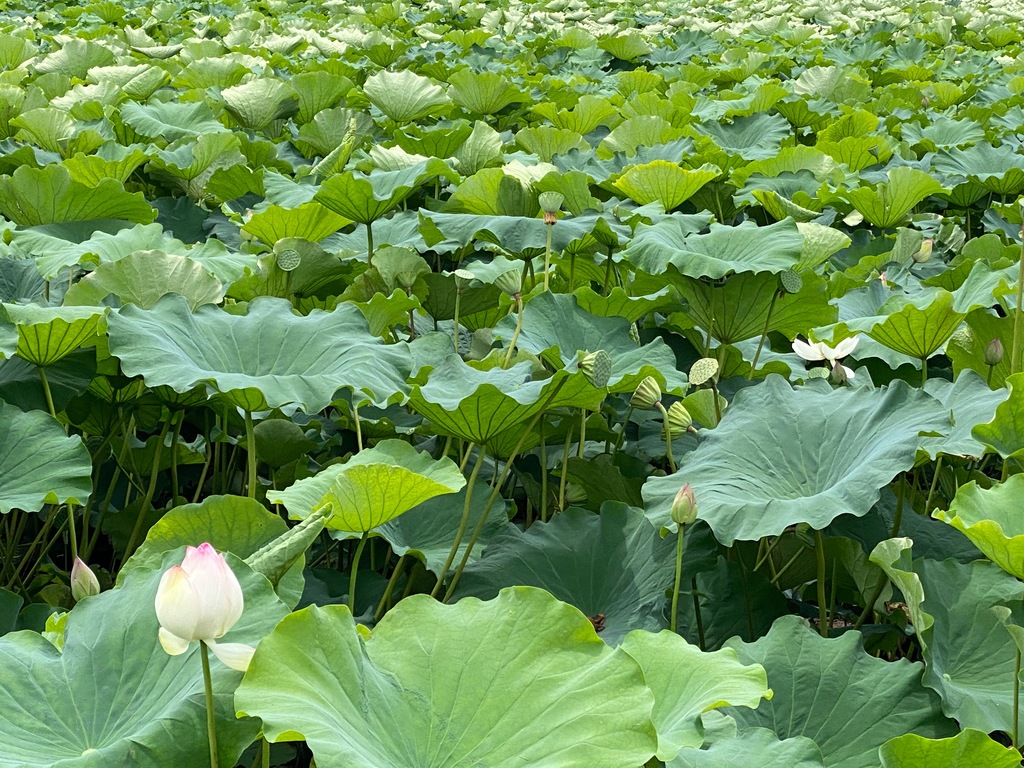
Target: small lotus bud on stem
(83, 581)
(925, 252)
(684, 506)
(994, 352)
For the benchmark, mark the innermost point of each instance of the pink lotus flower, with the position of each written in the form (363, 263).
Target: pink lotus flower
(83, 581)
(822, 351)
(201, 599)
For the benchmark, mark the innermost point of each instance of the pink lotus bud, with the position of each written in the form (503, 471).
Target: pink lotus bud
(83, 581)
(201, 599)
(684, 506)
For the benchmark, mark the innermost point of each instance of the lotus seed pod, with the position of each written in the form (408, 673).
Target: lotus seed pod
(463, 277)
(634, 334)
(575, 494)
(791, 281)
(994, 352)
(510, 282)
(684, 506)
(647, 395)
(288, 259)
(678, 421)
(818, 373)
(925, 252)
(703, 371)
(597, 367)
(551, 202)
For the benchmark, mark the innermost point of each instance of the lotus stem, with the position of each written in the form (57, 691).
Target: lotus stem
(147, 500)
(369, 243)
(898, 516)
(458, 303)
(264, 753)
(609, 264)
(385, 599)
(179, 419)
(48, 394)
(819, 549)
(764, 335)
(72, 536)
(580, 449)
(1018, 317)
(564, 477)
(701, 643)
(463, 523)
(354, 571)
(1016, 700)
(211, 717)
(622, 434)
(572, 271)
(924, 371)
(250, 456)
(359, 429)
(668, 435)
(680, 547)
(515, 335)
(931, 488)
(547, 257)
(543, 475)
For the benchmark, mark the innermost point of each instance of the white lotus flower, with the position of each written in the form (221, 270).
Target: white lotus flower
(822, 351)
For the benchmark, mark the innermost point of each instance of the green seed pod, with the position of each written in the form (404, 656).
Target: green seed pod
(463, 277)
(634, 334)
(791, 281)
(510, 282)
(647, 395)
(678, 421)
(597, 367)
(551, 202)
(289, 259)
(703, 371)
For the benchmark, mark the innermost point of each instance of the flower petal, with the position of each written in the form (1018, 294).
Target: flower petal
(235, 655)
(174, 645)
(177, 604)
(220, 595)
(849, 372)
(807, 351)
(846, 346)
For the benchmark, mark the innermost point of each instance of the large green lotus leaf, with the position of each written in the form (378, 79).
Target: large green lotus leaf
(744, 248)
(191, 164)
(39, 463)
(366, 197)
(970, 402)
(113, 696)
(48, 334)
(663, 182)
(688, 682)
(619, 303)
(483, 93)
(995, 169)
(310, 221)
(435, 686)
(258, 103)
(752, 748)
(888, 203)
(833, 692)
(756, 137)
(47, 127)
(265, 359)
(783, 456)
(968, 749)
(143, 277)
(137, 82)
(233, 524)
(1003, 432)
(48, 195)
(515, 234)
(991, 519)
(739, 308)
(172, 120)
(969, 657)
(477, 404)
(378, 485)
(613, 563)
(556, 329)
(920, 331)
(111, 161)
(405, 96)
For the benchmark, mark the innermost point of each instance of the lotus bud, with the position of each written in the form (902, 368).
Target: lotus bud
(597, 367)
(647, 395)
(634, 334)
(510, 282)
(994, 352)
(201, 599)
(83, 581)
(679, 420)
(684, 506)
(550, 203)
(925, 251)
(839, 375)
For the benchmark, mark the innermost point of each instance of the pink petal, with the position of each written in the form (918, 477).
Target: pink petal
(220, 595)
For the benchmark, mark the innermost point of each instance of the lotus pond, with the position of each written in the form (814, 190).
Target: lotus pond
(562, 384)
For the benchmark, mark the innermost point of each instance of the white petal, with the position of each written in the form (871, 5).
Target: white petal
(846, 346)
(174, 645)
(807, 351)
(848, 371)
(235, 655)
(219, 593)
(177, 603)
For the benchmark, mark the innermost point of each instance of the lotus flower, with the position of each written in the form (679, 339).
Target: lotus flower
(83, 581)
(822, 351)
(201, 599)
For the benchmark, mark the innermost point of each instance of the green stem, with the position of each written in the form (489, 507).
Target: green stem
(543, 475)
(547, 257)
(565, 469)
(385, 599)
(458, 303)
(608, 273)
(680, 547)
(72, 535)
(702, 644)
(211, 718)
(179, 420)
(359, 428)
(250, 455)
(463, 523)
(764, 335)
(572, 271)
(355, 571)
(668, 436)
(898, 517)
(48, 394)
(369, 243)
(1018, 318)
(515, 335)
(819, 549)
(622, 435)
(580, 449)
(265, 752)
(1016, 700)
(147, 501)
(924, 371)
(931, 488)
